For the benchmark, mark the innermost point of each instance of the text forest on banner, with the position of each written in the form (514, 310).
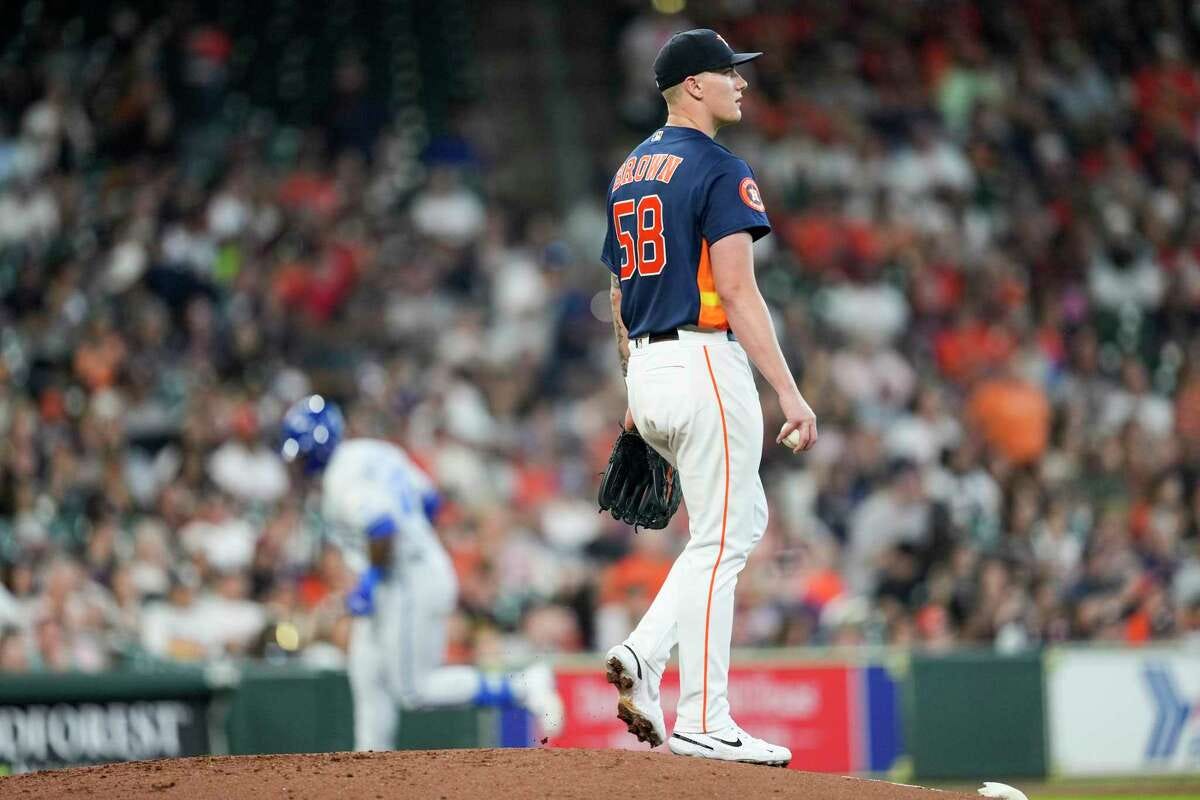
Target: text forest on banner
(68, 734)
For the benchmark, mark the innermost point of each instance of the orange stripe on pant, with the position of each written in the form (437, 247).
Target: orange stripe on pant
(721, 551)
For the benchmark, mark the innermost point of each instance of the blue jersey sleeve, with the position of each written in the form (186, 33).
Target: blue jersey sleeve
(733, 203)
(611, 259)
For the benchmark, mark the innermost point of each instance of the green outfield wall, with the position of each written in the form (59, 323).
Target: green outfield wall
(972, 714)
(285, 710)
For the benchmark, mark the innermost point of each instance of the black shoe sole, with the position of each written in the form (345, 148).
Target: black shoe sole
(635, 722)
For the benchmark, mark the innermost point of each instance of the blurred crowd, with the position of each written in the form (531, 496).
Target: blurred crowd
(985, 269)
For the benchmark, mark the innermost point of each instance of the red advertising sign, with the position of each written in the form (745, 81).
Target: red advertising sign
(806, 708)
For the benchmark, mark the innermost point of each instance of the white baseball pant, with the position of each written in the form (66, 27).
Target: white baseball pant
(694, 400)
(395, 658)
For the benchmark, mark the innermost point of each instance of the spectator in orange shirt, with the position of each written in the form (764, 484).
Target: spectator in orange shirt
(1012, 414)
(99, 357)
(971, 346)
(639, 574)
(628, 586)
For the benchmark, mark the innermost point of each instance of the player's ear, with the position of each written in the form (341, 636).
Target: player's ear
(692, 85)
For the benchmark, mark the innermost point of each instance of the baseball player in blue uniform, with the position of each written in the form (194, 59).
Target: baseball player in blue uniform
(379, 500)
(683, 213)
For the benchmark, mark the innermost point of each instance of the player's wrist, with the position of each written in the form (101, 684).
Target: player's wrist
(785, 387)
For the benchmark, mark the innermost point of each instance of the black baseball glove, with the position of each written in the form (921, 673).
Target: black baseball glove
(639, 487)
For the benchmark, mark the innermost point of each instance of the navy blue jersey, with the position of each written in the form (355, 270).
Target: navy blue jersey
(676, 194)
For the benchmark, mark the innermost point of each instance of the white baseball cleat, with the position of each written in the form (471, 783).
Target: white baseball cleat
(730, 744)
(637, 705)
(535, 689)
(1002, 791)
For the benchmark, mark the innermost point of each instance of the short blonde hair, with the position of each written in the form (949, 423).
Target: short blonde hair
(671, 93)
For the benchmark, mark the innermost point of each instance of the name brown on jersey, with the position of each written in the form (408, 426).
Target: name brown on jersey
(650, 167)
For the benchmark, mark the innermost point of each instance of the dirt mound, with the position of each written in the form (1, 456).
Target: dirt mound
(541, 774)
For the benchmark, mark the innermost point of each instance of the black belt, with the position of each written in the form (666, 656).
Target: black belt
(672, 336)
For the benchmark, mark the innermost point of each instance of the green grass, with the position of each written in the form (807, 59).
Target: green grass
(1148, 787)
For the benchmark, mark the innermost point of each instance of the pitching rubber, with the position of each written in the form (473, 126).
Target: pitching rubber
(635, 723)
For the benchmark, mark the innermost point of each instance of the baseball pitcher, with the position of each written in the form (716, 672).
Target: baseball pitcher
(683, 214)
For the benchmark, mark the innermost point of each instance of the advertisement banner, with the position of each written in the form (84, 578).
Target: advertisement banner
(810, 708)
(1124, 712)
(70, 734)
(882, 728)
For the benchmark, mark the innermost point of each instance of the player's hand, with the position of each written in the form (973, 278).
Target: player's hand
(361, 600)
(629, 420)
(800, 419)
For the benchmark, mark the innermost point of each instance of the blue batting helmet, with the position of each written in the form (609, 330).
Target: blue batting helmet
(312, 429)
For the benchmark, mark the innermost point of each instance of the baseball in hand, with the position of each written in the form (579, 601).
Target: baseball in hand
(792, 440)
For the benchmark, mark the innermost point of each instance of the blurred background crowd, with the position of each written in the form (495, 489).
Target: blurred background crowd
(985, 270)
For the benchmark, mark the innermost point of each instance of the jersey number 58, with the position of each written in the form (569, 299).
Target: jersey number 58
(647, 255)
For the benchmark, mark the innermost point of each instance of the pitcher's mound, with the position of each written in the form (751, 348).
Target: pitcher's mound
(540, 774)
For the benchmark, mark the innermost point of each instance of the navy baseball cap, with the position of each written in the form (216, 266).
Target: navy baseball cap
(693, 52)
